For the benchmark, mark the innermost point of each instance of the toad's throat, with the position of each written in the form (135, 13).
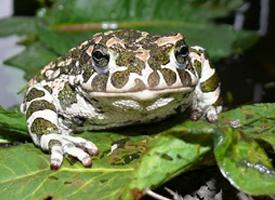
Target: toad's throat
(144, 94)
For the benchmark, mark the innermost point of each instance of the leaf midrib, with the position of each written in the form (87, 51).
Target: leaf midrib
(84, 170)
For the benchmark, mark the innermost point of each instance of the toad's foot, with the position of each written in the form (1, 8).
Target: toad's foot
(211, 113)
(60, 145)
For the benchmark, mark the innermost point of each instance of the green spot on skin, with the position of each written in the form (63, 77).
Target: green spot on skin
(169, 76)
(39, 105)
(99, 82)
(54, 143)
(88, 72)
(159, 57)
(219, 101)
(128, 36)
(184, 77)
(119, 79)
(48, 89)
(67, 96)
(197, 65)
(33, 94)
(210, 84)
(129, 60)
(42, 126)
(153, 79)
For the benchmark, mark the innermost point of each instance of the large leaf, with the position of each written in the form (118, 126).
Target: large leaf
(148, 156)
(69, 22)
(241, 159)
(12, 126)
(193, 18)
(17, 25)
(144, 161)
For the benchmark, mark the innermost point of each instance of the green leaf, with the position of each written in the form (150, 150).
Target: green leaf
(257, 121)
(244, 163)
(148, 157)
(17, 25)
(70, 22)
(12, 125)
(32, 59)
(240, 157)
(12, 121)
(144, 161)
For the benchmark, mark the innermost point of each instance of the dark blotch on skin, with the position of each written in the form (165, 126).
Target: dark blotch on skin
(88, 71)
(195, 51)
(67, 96)
(54, 143)
(129, 60)
(185, 78)
(153, 79)
(84, 58)
(48, 89)
(34, 93)
(210, 84)
(139, 85)
(169, 76)
(158, 57)
(149, 42)
(219, 101)
(197, 65)
(99, 82)
(119, 79)
(129, 36)
(39, 105)
(190, 67)
(42, 126)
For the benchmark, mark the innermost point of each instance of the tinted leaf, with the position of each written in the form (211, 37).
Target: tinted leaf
(240, 157)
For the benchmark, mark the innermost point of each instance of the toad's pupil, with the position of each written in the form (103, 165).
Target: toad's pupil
(97, 55)
(183, 50)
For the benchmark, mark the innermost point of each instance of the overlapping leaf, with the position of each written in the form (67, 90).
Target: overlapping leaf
(146, 158)
(240, 157)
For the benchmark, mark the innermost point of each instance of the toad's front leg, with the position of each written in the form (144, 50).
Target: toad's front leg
(48, 131)
(207, 100)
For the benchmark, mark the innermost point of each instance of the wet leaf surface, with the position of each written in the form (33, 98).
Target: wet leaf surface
(241, 158)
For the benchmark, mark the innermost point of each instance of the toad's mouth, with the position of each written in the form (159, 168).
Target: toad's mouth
(146, 94)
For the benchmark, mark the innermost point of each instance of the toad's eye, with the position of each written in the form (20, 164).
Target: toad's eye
(100, 56)
(181, 53)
